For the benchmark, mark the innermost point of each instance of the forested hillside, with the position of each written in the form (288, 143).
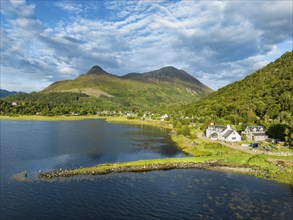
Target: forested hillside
(264, 97)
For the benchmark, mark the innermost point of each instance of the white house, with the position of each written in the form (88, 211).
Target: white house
(222, 133)
(163, 117)
(231, 135)
(215, 132)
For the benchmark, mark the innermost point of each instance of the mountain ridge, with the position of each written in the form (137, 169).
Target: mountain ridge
(159, 86)
(166, 73)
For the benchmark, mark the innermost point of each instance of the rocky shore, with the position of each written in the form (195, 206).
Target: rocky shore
(120, 167)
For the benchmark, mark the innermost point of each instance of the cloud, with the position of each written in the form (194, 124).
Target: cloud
(70, 6)
(216, 41)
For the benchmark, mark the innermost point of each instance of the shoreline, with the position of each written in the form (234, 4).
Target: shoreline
(110, 119)
(272, 167)
(46, 118)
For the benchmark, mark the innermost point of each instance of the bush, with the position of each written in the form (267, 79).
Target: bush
(193, 136)
(185, 130)
(178, 131)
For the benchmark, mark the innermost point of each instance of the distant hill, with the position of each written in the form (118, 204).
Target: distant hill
(4, 93)
(266, 95)
(147, 90)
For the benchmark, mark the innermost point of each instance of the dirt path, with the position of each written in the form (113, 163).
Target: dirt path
(248, 150)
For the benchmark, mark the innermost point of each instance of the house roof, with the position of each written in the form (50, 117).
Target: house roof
(214, 135)
(255, 128)
(259, 134)
(227, 133)
(217, 128)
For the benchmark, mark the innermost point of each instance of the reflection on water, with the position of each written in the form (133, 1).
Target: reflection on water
(68, 144)
(175, 194)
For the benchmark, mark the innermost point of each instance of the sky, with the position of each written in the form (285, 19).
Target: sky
(218, 42)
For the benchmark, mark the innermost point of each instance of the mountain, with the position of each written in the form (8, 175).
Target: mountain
(152, 89)
(168, 73)
(96, 70)
(171, 75)
(265, 95)
(4, 93)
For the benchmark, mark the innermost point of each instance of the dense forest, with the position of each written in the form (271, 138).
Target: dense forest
(264, 95)
(62, 103)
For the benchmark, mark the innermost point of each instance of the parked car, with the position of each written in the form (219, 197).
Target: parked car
(254, 145)
(268, 147)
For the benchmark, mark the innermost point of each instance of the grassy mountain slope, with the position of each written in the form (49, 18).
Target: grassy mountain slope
(148, 90)
(266, 95)
(174, 77)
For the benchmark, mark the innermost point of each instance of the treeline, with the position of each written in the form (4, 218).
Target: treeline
(63, 103)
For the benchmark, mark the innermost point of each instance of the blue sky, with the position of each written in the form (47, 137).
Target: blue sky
(218, 42)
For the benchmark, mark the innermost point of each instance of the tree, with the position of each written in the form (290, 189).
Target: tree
(277, 131)
(185, 130)
(289, 136)
(179, 125)
(178, 128)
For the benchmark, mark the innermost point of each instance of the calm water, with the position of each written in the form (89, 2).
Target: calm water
(175, 194)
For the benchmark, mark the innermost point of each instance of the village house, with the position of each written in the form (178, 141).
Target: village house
(163, 117)
(223, 133)
(254, 133)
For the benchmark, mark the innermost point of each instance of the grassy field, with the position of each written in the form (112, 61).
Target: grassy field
(278, 168)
